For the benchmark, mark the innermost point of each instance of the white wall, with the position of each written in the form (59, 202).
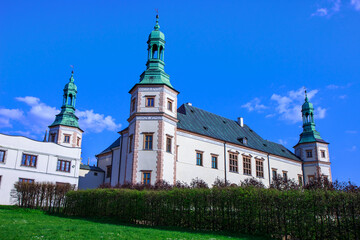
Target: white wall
(47, 157)
(90, 179)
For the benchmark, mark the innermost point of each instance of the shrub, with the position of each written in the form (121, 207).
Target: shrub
(43, 195)
(291, 213)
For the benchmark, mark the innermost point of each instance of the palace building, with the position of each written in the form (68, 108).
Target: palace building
(171, 143)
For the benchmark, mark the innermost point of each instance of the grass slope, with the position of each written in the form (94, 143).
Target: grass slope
(16, 223)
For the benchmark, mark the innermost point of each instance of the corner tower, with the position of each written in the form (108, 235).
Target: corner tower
(151, 136)
(311, 148)
(65, 129)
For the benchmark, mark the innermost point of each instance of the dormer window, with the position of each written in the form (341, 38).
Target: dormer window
(243, 140)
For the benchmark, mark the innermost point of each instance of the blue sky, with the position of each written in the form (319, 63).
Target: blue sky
(233, 58)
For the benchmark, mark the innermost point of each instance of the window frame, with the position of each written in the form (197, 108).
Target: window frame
(148, 144)
(259, 165)
(274, 170)
(78, 139)
(64, 164)
(133, 104)
(28, 165)
(300, 179)
(26, 180)
(309, 153)
(233, 162)
(65, 136)
(143, 179)
(4, 156)
(199, 158)
(322, 152)
(53, 137)
(170, 104)
(147, 98)
(285, 175)
(214, 157)
(247, 165)
(108, 171)
(168, 144)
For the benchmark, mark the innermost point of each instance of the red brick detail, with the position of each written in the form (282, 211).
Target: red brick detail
(175, 153)
(162, 101)
(136, 151)
(160, 152)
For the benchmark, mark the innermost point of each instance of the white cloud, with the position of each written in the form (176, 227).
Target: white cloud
(343, 96)
(6, 115)
(352, 149)
(282, 142)
(320, 12)
(351, 131)
(254, 104)
(40, 116)
(356, 4)
(334, 86)
(95, 122)
(289, 106)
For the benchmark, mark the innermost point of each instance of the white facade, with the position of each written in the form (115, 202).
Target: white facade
(46, 167)
(90, 177)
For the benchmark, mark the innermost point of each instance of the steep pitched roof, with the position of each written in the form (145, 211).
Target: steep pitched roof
(113, 145)
(199, 121)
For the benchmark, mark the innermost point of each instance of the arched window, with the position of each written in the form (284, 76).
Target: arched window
(161, 53)
(70, 100)
(155, 51)
(307, 117)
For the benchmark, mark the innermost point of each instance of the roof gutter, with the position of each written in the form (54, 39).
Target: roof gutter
(268, 158)
(121, 147)
(225, 162)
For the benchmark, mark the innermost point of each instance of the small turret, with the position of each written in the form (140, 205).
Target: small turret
(65, 129)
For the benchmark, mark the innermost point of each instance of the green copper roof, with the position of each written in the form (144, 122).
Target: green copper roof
(205, 123)
(154, 73)
(309, 133)
(67, 115)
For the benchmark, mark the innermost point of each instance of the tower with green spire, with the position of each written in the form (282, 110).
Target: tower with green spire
(311, 148)
(150, 139)
(65, 129)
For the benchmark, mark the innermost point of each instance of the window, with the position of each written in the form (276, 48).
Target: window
(95, 173)
(233, 162)
(323, 153)
(148, 141)
(66, 138)
(29, 160)
(311, 178)
(149, 101)
(285, 177)
(169, 105)
(168, 144)
(78, 141)
(247, 165)
(61, 184)
(274, 174)
(0, 180)
(2, 156)
(108, 171)
(130, 143)
(52, 137)
(146, 177)
(133, 102)
(63, 166)
(26, 180)
(300, 180)
(309, 153)
(259, 168)
(214, 162)
(199, 158)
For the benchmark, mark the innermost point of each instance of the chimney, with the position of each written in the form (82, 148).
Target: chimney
(88, 161)
(241, 121)
(189, 103)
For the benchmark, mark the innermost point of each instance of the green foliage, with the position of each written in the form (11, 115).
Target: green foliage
(299, 214)
(44, 195)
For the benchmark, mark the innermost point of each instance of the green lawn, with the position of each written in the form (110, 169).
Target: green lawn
(16, 223)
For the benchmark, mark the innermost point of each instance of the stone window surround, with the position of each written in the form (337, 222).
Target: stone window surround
(259, 167)
(144, 140)
(201, 154)
(28, 154)
(213, 155)
(234, 167)
(143, 172)
(147, 97)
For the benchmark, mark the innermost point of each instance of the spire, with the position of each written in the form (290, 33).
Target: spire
(309, 133)
(155, 73)
(157, 27)
(67, 115)
(45, 136)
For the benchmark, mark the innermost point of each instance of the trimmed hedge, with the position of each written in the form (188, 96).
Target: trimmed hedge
(44, 195)
(295, 214)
